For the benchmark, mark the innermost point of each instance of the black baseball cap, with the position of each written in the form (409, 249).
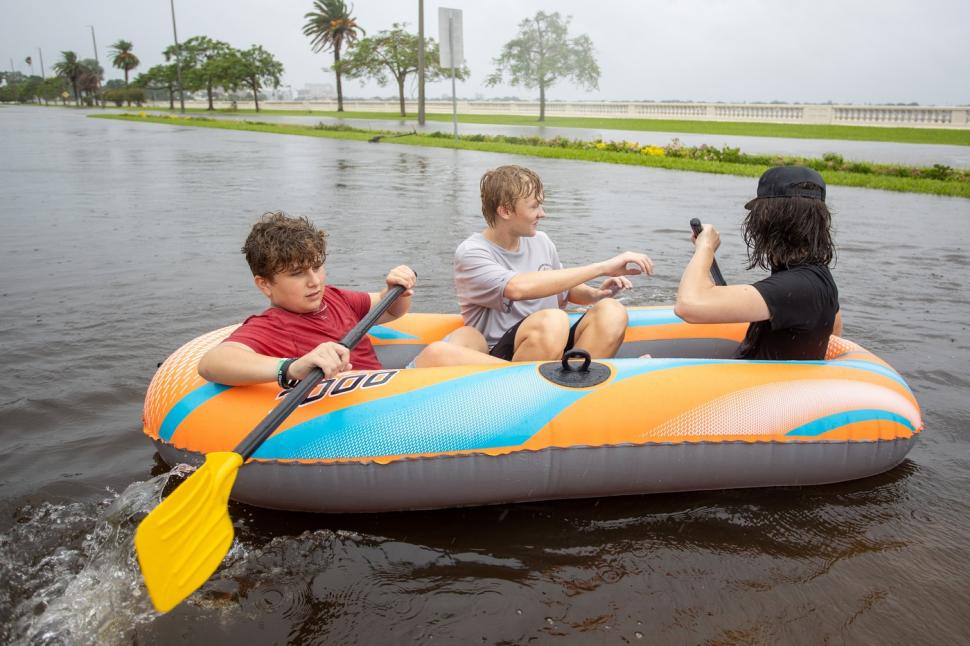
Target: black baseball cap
(789, 181)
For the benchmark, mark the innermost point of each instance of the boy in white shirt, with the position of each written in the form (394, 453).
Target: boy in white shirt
(512, 287)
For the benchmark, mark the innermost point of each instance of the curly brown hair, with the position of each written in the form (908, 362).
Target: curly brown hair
(787, 231)
(278, 242)
(504, 185)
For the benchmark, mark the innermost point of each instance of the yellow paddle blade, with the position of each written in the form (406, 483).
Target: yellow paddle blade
(183, 540)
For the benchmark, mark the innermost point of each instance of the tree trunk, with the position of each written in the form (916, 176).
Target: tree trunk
(208, 89)
(542, 101)
(255, 85)
(400, 95)
(171, 97)
(127, 97)
(340, 91)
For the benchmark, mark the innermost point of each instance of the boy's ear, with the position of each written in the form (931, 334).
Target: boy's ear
(503, 212)
(263, 285)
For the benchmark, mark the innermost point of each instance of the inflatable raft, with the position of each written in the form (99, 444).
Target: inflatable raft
(689, 418)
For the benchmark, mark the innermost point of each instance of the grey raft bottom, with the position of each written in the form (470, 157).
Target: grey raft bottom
(549, 474)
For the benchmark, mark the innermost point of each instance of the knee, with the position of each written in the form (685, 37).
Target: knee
(610, 312)
(545, 331)
(552, 324)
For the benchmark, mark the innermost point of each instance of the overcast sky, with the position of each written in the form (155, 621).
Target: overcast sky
(851, 51)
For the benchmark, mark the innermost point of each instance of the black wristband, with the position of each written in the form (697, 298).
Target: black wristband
(281, 372)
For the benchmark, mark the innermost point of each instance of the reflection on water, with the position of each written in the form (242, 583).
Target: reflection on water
(121, 242)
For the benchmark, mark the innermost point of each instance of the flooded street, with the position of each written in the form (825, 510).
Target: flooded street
(121, 242)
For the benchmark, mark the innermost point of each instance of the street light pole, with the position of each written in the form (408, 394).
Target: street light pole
(42, 74)
(97, 76)
(178, 59)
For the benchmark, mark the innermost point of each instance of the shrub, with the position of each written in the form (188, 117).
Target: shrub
(834, 160)
(859, 167)
(939, 171)
(120, 96)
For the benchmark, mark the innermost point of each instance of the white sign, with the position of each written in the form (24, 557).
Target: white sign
(449, 38)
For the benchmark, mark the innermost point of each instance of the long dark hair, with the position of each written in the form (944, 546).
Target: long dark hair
(787, 231)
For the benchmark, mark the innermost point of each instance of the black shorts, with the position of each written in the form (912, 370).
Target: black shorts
(505, 347)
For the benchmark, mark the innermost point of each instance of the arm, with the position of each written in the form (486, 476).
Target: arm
(586, 295)
(539, 284)
(700, 301)
(235, 364)
(400, 275)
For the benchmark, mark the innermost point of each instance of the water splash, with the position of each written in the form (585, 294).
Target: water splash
(86, 587)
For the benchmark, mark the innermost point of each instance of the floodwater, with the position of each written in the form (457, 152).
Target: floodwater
(872, 151)
(120, 241)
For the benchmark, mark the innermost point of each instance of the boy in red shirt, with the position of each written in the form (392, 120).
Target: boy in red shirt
(307, 318)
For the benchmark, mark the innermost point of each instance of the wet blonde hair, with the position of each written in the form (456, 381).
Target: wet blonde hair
(278, 242)
(504, 185)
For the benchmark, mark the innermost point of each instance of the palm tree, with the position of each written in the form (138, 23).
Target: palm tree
(331, 26)
(124, 59)
(70, 69)
(89, 81)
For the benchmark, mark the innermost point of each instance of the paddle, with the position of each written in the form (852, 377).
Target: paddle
(183, 540)
(695, 224)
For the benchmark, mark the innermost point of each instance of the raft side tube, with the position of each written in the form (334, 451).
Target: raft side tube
(550, 474)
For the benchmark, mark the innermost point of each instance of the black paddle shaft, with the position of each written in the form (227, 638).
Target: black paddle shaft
(300, 392)
(695, 225)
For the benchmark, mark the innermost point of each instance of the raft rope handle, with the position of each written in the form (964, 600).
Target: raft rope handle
(576, 353)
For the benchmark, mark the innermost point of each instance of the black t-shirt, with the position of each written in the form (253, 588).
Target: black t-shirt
(802, 303)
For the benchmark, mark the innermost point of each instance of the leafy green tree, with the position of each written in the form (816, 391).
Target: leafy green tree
(22, 88)
(160, 78)
(123, 58)
(70, 69)
(203, 66)
(8, 91)
(10, 83)
(52, 88)
(254, 68)
(394, 52)
(330, 26)
(543, 53)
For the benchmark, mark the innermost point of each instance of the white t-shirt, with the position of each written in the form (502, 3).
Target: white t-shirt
(483, 269)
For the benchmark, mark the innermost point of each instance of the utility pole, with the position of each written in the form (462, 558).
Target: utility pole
(420, 62)
(97, 77)
(41, 54)
(95, 43)
(178, 59)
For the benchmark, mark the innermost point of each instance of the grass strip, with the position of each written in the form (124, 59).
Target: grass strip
(725, 161)
(942, 136)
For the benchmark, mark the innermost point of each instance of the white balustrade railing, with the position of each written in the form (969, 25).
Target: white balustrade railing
(806, 113)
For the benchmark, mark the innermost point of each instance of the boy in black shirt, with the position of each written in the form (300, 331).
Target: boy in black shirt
(793, 311)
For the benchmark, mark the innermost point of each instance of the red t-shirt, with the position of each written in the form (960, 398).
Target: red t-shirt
(281, 333)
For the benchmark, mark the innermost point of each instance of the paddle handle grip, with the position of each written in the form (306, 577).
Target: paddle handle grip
(716, 276)
(300, 392)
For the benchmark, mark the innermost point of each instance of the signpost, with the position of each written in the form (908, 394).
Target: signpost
(452, 52)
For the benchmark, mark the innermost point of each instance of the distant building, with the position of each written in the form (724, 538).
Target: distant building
(282, 93)
(316, 91)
